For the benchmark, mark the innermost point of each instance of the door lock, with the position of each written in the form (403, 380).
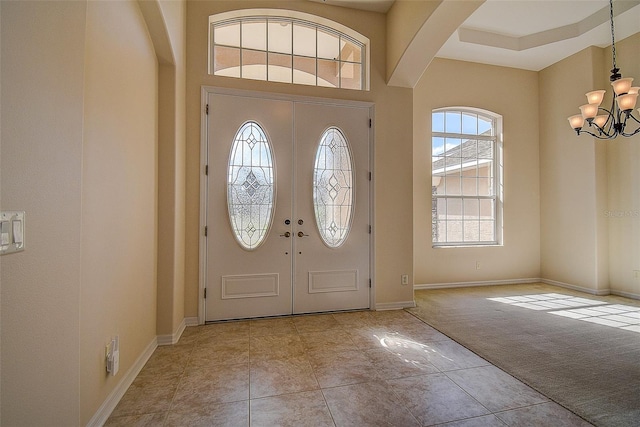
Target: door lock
(300, 222)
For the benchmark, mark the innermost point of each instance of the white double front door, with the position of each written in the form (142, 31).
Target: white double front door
(287, 210)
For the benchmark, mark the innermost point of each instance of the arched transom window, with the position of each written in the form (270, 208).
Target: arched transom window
(288, 47)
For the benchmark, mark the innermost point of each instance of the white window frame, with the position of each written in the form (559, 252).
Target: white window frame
(498, 174)
(296, 17)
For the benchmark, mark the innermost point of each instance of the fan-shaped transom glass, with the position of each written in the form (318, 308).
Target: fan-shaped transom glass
(288, 49)
(333, 187)
(250, 185)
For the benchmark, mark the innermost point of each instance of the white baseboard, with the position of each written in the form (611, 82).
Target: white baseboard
(191, 321)
(110, 403)
(625, 294)
(173, 338)
(395, 305)
(479, 283)
(598, 292)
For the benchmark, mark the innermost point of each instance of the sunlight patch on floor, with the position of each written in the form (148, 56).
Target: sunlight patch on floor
(600, 312)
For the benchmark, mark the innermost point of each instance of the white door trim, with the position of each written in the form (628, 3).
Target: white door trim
(204, 155)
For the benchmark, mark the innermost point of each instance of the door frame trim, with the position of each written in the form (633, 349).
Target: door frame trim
(204, 155)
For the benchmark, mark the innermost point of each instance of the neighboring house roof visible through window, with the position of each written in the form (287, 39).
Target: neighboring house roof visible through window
(472, 154)
(288, 47)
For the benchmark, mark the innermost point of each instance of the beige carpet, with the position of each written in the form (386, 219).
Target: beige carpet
(589, 368)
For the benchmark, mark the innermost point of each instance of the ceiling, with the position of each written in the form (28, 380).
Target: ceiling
(528, 34)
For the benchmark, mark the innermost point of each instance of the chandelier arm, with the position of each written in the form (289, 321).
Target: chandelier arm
(610, 113)
(609, 124)
(630, 134)
(624, 125)
(634, 118)
(603, 135)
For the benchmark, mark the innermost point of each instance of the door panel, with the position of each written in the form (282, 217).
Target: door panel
(326, 278)
(240, 282)
(293, 269)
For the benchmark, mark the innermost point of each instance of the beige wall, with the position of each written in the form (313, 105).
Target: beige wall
(167, 22)
(176, 16)
(590, 210)
(0, 207)
(623, 166)
(393, 141)
(416, 31)
(42, 174)
(80, 156)
(448, 83)
(118, 195)
(404, 20)
(571, 177)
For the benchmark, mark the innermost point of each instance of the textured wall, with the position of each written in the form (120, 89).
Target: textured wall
(448, 83)
(570, 177)
(623, 170)
(42, 104)
(119, 195)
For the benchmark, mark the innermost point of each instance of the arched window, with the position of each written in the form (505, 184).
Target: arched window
(288, 47)
(466, 177)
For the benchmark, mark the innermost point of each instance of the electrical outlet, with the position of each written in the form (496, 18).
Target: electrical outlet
(113, 355)
(477, 265)
(636, 274)
(405, 279)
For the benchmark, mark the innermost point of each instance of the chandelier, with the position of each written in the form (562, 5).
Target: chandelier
(615, 120)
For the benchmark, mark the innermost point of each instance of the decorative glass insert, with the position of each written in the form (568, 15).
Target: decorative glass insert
(333, 187)
(297, 48)
(466, 177)
(250, 185)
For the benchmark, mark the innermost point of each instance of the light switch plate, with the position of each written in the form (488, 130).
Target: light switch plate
(12, 235)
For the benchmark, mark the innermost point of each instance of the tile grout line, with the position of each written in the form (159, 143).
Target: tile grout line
(181, 378)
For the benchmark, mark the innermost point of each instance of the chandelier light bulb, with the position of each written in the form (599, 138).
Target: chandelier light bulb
(589, 111)
(622, 86)
(595, 97)
(627, 102)
(601, 120)
(576, 121)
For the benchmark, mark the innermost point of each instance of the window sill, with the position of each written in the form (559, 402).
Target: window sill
(481, 245)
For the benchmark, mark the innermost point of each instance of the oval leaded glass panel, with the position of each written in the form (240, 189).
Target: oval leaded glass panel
(333, 191)
(250, 185)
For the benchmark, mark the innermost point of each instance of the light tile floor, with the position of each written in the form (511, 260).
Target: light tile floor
(384, 368)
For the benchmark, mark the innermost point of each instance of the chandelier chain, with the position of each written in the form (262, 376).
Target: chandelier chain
(613, 37)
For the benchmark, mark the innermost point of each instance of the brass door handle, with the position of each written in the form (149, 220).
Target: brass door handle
(286, 234)
(301, 234)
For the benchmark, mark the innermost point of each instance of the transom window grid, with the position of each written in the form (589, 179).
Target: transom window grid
(287, 50)
(466, 178)
(250, 185)
(333, 192)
